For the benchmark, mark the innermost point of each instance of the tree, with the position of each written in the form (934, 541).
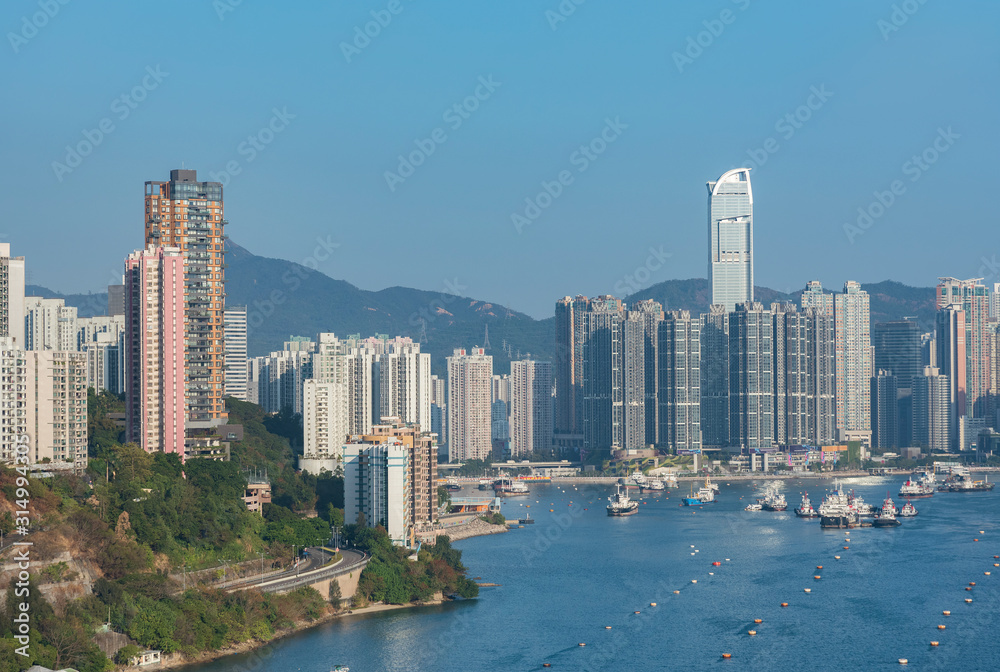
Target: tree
(126, 653)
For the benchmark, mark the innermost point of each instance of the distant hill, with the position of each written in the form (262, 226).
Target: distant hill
(288, 299)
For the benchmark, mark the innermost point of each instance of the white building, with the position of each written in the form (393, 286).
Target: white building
(49, 324)
(234, 322)
(404, 383)
(102, 338)
(56, 406)
(13, 393)
(325, 426)
(275, 381)
(377, 485)
(11, 296)
(730, 235)
(470, 377)
(530, 407)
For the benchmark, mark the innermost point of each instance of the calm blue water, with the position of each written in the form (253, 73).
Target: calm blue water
(576, 571)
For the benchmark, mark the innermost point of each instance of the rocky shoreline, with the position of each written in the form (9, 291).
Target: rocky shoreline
(476, 527)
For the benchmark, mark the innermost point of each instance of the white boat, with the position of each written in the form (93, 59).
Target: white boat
(918, 488)
(837, 511)
(773, 500)
(619, 504)
(707, 492)
(638, 478)
(886, 517)
(670, 480)
(806, 509)
(654, 484)
(756, 506)
(908, 510)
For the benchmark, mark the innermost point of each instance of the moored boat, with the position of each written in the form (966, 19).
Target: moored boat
(886, 517)
(836, 511)
(773, 500)
(915, 489)
(908, 510)
(756, 506)
(620, 504)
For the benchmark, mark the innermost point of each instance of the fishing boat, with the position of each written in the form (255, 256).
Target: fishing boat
(773, 500)
(915, 489)
(886, 517)
(619, 504)
(806, 509)
(908, 510)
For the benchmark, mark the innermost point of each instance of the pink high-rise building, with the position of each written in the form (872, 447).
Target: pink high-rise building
(972, 298)
(155, 407)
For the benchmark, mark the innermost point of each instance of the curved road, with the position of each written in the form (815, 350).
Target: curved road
(352, 560)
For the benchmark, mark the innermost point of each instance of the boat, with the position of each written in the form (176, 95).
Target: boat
(638, 478)
(859, 505)
(908, 510)
(654, 484)
(961, 481)
(509, 486)
(693, 499)
(806, 509)
(707, 492)
(886, 517)
(619, 504)
(915, 489)
(341, 668)
(756, 506)
(670, 480)
(452, 484)
(773, 500)
(836, 510)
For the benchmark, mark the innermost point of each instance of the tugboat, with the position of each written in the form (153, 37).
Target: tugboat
(837, 512)
(774, 500)
(886, 517)
(916, 489)
(806, 509)
(908, 510)
(619, 504)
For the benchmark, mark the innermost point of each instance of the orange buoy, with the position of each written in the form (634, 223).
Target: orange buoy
(582, 644)
(934, 643)
(946, 612)
(546, 664)
(635, 612)
(716, 564)
(819, 566)
(986, 573)
(808, 590)
(727, 656)
(652, 604)
(677, 592)
(996, 564)
(903, 661)
(846, 547)
(968, 600)
(817, 577)
(968, 588)
(940, 627)
(752, 632)
(784, 604)
(758, 620)
(607, 627)
(972, 583)
(975, 540)
(836, 557)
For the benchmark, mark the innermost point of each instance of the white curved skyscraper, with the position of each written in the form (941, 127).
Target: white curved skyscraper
(730, 238)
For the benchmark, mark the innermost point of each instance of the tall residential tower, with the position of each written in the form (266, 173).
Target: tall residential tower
(730, 239)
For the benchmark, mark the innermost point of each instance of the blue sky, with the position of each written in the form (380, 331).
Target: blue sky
(222, 71)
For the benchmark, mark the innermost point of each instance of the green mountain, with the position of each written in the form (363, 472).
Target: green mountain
(286, 299)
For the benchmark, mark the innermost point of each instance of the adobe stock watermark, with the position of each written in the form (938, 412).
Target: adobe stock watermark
(914, 169)
(419, 318)
(900, 14)
(223, 7)
(638, 278)
(787, 125)
(562, 12)
(254, 145)
(454, 117)
(699, 42)
(581, 159)
(363, 36)
(121, 107)
(31, 25)
(293, 278)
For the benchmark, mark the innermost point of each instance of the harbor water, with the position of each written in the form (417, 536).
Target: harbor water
(575, 572)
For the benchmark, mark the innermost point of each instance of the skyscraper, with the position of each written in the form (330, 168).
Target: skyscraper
(11, 297)
(852, 326)
(49, 324)
(155, 403)
(730, 238)
(602, 372)
(235, 326)
(897, 349)
(952, 362)
(972, 298)
(188, 214)
(679, 381)
(569, 364)
(751, 377)
(530, 407)
(885, 422)
(715, 377)
(933, 411)
(470, 377)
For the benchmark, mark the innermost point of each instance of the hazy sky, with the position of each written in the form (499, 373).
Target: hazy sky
(680, 91)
